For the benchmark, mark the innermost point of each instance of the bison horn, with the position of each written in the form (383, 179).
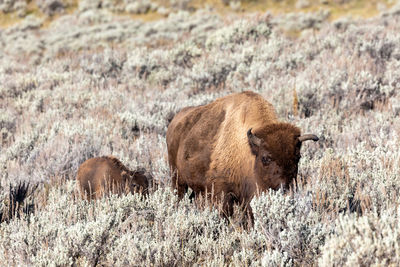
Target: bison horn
(306, 137)
(253, 139)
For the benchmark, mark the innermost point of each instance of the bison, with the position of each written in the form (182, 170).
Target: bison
(100, 175)
(233, 148)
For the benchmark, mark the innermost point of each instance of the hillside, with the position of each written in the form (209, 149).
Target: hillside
(80, 79)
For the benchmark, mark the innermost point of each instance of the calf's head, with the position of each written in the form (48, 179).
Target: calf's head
(137, 181)
(276, 148)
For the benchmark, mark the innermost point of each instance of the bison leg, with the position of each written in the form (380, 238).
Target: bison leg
(222, 192)
(227, 206)
(180, 187)
(248, 217)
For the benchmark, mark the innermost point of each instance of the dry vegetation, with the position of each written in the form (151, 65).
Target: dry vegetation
(89, 80)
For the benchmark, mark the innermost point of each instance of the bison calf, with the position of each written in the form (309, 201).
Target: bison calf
(97, 176)
(233, 147)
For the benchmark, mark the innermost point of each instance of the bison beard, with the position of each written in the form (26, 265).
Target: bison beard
(233, 148)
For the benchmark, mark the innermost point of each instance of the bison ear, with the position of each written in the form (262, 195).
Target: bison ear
(254, 142)
(125, 175)
(140, 171)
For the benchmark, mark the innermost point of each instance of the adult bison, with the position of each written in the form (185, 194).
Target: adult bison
(233, 148)
(100, 175)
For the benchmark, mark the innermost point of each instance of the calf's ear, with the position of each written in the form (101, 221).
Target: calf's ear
(125, 176)
(254, 142)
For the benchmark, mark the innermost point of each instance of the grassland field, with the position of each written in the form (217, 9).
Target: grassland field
(86, 78)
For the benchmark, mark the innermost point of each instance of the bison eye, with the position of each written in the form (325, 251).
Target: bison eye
(266, 160)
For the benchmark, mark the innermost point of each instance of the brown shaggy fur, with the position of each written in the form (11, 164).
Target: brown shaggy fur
(97, 176)
(209, 149)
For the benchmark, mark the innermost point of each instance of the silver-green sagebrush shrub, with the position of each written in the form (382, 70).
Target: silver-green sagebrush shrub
(107, 84)
(157, 230)
(289, 227)
(371, 240)
(238, 33)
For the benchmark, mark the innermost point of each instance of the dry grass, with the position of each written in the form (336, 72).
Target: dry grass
(337, 9)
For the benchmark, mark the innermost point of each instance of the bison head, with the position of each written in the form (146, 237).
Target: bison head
(276, 148)
(137, 181)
